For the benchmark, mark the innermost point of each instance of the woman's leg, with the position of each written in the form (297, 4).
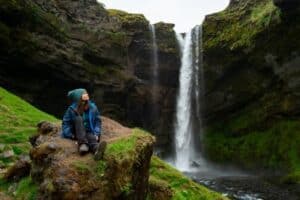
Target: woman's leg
(92, 142)
(81, 135)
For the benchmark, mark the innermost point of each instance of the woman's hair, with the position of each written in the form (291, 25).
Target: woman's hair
(82, 106)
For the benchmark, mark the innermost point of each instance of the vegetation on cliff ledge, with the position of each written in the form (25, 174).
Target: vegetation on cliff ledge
(238, 26)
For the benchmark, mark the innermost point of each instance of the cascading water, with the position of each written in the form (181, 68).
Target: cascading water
(198, 68)
(154, 54)
(189, 87)
(183, 127)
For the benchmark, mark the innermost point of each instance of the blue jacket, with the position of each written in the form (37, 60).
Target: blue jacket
(70, 114)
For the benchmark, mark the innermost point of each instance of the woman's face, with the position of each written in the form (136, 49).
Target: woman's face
(85, 97)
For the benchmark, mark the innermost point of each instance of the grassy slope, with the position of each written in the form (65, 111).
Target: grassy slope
(18, 121)
(182, 187)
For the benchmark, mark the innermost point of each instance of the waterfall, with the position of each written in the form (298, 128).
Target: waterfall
(154, 80)
(154, 54)
(198, 69)
(188, 97)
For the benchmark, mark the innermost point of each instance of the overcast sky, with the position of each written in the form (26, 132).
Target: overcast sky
(184, 13)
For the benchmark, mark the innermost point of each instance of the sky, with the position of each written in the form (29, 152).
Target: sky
(185, 14)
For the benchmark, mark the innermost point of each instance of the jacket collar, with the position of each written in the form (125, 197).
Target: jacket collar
(91, 105)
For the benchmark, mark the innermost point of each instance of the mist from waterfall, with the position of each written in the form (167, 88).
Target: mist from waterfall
(188, 117)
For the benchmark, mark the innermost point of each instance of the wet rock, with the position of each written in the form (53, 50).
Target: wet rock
(19, 170)
(7, 154)
(287, 5)
(2, 147)
(45, 127)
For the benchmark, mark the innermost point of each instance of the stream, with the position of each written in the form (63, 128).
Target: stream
(245, 187)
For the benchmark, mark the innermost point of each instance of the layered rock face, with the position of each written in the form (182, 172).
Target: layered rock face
(252, 83)
(50, 47)
(287, 4)
(251, 55)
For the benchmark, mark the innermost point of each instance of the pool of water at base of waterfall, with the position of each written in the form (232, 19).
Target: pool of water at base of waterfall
(245, 187)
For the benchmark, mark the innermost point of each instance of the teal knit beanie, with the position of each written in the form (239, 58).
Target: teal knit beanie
(75, 95)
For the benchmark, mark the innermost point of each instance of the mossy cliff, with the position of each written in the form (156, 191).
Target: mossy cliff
(49, 47)
(56, 171)
(252, 84)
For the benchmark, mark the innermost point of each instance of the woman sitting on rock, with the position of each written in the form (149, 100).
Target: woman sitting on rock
(82, 122)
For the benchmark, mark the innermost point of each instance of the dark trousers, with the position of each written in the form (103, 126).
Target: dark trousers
(82, 136)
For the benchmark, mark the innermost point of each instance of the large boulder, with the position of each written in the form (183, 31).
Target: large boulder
(62, 173)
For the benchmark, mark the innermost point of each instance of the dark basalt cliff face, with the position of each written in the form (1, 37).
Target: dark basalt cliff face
(51, 46)
(252, 83)
(251, 55)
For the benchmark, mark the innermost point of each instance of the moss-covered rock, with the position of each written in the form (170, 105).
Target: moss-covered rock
(251, 72)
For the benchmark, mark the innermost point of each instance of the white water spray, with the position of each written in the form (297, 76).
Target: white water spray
(183, 129)
(189, 92)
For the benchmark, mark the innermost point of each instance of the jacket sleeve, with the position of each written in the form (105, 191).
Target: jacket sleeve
(97, 122)
(67, 124)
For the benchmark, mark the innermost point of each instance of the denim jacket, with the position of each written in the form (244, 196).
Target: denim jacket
(70, 114)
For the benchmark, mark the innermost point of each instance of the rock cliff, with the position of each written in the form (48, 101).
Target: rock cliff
(50, 47)
(251, 70)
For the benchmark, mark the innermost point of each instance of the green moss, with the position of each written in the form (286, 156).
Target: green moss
(121, 148)
(125, 147)
(101, 167)
(129, 21)
(182, 187)
(119, 38)
(275, 147)
(31, 16)
(237, 27)
(25, 188)
(82, 167)
(127, 189)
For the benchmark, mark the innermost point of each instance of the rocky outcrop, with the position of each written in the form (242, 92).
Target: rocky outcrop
(287, 4)
(61, 173)
(251, 71)
(246, 64)
(49, 47)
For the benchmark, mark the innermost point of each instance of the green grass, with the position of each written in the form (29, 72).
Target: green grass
(276, 147)
(25, 188)
(101, 167)
(18, 122)
(82, 167)
(125, 147)
(182, 187)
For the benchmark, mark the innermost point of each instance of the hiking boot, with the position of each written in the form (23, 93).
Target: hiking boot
(83, 149)
(100, 151)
